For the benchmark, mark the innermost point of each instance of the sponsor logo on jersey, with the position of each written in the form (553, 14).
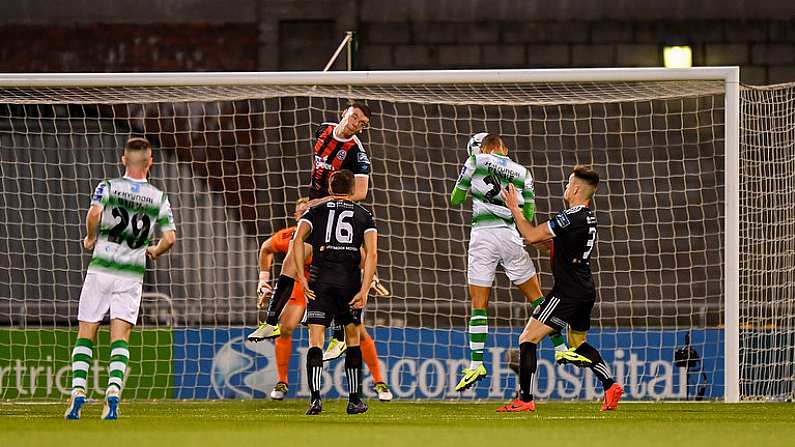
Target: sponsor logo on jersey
(362, 157)
(135, 187)
(320, 163)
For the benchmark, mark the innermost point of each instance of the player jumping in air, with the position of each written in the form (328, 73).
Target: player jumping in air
(337, 229)
(494, 241)
(120, 224)
(569, 303)
(295, 308)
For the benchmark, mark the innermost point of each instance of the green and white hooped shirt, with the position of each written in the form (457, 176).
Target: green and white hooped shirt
(131, 210)
(485, 176)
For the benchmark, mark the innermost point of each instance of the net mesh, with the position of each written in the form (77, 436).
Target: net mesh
(767, 241)
(234, 159)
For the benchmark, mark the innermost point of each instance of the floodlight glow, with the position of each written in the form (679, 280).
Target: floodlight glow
(680, 56)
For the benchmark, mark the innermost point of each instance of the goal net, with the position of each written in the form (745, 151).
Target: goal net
(233, 154)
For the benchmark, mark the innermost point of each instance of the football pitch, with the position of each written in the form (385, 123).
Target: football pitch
(420, 424)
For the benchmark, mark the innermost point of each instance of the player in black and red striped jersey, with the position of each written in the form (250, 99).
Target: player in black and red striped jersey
(336, 147)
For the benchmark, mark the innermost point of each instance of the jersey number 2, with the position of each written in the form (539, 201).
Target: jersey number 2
(344, 233)
(496, 187)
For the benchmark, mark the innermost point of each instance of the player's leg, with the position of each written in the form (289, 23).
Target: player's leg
(281, 295)
(577, 331)
(482, 261)
(531, 289)
(353, 355)
(478, 333)
(92, 308)
(82, 354)
(117, 366)
(125, 304)
(370, 357)
(290, 318)
(314, 366)
(318, 317)
(533, 333)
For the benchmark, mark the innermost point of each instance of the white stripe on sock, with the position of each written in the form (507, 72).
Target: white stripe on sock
(80, 366)
(120, 351)
(117, 366)
(79, 382)
(115, 381)
(479, 329)
(476, 346)
(82, 350)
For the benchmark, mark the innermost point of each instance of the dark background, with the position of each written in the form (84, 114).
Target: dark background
(246, 35)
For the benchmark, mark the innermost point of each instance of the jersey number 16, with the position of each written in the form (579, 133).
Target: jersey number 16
(344, 230)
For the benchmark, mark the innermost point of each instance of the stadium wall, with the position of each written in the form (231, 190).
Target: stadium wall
(198, 35)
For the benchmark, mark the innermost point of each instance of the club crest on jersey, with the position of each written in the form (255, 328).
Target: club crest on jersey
(341, 155)
(562, 220)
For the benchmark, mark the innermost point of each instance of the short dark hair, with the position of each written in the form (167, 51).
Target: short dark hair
(361, 106)
(341, 182)
(587, 174)
(490, 140)
(137, 144)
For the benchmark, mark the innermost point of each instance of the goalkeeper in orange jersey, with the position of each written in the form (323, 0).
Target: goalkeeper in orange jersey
(294, 311)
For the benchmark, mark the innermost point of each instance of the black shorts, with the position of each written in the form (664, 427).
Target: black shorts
(558, 311)
(331, 303)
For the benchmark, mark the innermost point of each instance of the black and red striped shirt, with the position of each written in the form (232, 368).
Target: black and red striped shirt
(330, 154)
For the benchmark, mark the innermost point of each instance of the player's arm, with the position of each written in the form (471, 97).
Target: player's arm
(370, 263)
(360, 187)
(529, 196)
(463, 183)
(165, 220)
(531, 233)
(299, 254)
(93, 219)
(94, 214)
(168, 239)
(360, 166)
(264, 288)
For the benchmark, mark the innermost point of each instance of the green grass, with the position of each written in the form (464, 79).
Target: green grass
(262, 423)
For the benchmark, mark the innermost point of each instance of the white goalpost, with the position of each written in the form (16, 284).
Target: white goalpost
(233, 153)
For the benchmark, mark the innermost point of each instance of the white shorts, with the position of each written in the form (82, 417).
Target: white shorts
(103, 291)
(491, 246)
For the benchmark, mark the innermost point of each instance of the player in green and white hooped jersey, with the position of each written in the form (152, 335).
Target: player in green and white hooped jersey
(494, 240)
(120, 223)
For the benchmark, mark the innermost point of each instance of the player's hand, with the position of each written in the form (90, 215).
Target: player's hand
(151, 252)
(509, 196)
(88, 243)
(360, 300)
(309, 293)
